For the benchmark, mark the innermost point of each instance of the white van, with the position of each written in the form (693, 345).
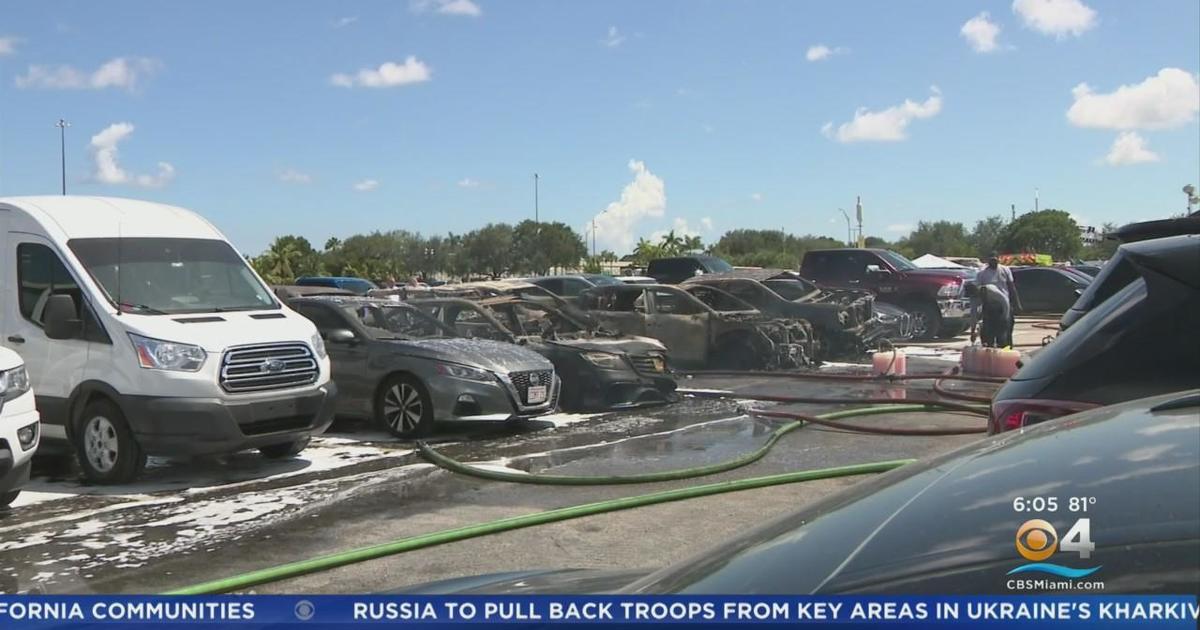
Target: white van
(18, 426)
(146, 333)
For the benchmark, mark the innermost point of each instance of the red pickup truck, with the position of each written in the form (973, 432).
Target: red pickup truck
(932, 296)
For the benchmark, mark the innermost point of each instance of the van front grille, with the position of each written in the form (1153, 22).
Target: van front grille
(268, 366)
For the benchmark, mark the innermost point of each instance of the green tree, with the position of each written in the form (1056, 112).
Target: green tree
(875, 242)
(543, 246)
(692, 244)
(769, 248)
(941, 238)
(332, 243)
(986, 234)
(288, 258)
(1102, 250)
(645, 251)
(488, 249)
(374, 256)
(1047, 231)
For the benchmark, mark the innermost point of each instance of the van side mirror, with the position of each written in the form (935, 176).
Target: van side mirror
(60, 319)
(876, 270)
(342, 336)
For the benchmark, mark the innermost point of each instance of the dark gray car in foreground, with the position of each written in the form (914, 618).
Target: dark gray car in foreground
(949, 525)
(406, 370)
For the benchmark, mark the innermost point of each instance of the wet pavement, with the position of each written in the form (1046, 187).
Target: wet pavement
(191, 521)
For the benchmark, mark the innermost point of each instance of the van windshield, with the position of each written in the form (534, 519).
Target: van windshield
(158, 276)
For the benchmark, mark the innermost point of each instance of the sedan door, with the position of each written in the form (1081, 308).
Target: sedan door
(350, 369)
(681, 322)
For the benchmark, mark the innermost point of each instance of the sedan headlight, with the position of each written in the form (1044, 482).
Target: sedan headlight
(13, 383)
(465, 373)
(155, 354)
(318, 345)
(605, 360)
(950, 290)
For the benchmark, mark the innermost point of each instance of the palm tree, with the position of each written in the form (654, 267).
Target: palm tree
(692, 244)
(671, 244)
(646, 251)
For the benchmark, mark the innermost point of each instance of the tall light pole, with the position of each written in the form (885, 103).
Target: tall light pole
(535, 199)
(62, 150)
(849, 230)
(858, 211)
(1190, 191)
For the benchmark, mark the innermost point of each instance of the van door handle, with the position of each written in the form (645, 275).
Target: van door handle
(16, 339)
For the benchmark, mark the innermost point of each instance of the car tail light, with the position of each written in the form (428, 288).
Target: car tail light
(1007, 415)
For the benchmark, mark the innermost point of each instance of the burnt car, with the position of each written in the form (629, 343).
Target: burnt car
(570, 286)
(288, 291)
(839, 317)
(599, 369)
(1139, 342)
(947, 525)
(404, 369)
(702, 328)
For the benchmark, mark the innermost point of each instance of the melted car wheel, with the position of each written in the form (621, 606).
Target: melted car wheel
(403, 407)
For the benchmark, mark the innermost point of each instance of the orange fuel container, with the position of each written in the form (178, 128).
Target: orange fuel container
(881, 360)
(989, 361)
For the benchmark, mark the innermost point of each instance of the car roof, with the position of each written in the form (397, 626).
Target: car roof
(1177, 257)
(747, 274)
(1144, 230)
(947, 524)
(348, 300)
(76, 216)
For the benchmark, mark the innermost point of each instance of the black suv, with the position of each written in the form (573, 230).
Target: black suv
(676, 270)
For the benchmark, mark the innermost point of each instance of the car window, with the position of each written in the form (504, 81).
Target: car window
(672, 303)
(1112, 278)
(571, 287)
(40, 274)
(790, 289)
(618, 301)
(324, 317)
(385, 321)
(717, 299)
(751, 292)
(1035, 279)
(717, 265)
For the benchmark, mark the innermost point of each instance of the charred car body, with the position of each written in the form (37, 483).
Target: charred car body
(599, 369)
(702, 327)
(840, 317)
(406, 370)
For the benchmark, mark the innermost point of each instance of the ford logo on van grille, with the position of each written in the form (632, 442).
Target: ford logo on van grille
(272, 366)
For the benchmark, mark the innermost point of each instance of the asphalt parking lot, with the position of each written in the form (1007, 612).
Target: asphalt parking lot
(191, 521)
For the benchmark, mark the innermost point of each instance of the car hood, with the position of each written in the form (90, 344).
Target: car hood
(217, 331)
(965, 274)
(631, 345)
(494, 356)
(551, 581)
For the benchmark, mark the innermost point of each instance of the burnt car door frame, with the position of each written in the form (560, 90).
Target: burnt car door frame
(679, 330)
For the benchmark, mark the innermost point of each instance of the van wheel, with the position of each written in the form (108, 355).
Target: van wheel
(105, 446)
(287, 449)
(403, 407)
(926, 321)
(7, 498)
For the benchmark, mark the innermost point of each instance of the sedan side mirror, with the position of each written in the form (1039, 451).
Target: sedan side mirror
(59, 319)
(342, 336)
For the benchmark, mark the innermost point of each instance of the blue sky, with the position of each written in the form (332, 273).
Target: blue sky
(272, 118)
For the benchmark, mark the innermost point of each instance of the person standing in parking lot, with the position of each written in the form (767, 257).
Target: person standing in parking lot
(1001, 278)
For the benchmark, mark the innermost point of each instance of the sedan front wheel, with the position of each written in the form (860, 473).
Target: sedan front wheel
(403, 407)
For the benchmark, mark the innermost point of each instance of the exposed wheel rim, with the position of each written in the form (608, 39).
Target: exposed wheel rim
(402, 407)
(920, 324)
(101, 445)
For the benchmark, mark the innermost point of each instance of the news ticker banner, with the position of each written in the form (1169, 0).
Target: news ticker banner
(540, 611)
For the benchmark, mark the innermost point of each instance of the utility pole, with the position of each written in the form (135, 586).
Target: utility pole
(1013, 209)
(535, 199)
(62, 150)
(593, 237)
(849, 230)
(1036, 203)
(859, 210)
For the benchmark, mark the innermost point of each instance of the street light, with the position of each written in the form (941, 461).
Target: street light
(849, 230)
(62, 150)
(1192, 199)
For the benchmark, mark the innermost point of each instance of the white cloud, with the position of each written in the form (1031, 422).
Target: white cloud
(292, 176)
(108, 170)
(447, 7)
(681, 227)
(8, 45)
(343, 22)
(707, 128)
(1168, 99)
(756, 196)
(899, 228)
(644, 197)
(888, 125)
(981, 32)
(467, 182)
(1056, 17)
(389, 74)
(614, 38)
(707, 223)
(366, 185)
(1129, 148)
(122, 72)
(821, 52)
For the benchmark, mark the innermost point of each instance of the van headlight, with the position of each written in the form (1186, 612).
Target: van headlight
(13, 383)
(318, 345)
(155, 354)
(465, 373)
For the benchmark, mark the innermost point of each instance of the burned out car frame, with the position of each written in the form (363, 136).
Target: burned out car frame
(599, 369)
(722, 332)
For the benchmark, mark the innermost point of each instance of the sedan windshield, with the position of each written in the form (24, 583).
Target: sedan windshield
(397, 321)
(172, 275)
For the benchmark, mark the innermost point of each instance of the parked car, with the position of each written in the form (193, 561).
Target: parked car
(637, 280)
(1048, 289)
(19, 429)
(599, 369)
(406, 370)
(839, 317)
(1141, 341)
(680, 268)
(1088, 270)
(145, 333)
(358, 286)
(947, 525)
(289, 291)
(570, 286)
(932, 296)
(703, 328)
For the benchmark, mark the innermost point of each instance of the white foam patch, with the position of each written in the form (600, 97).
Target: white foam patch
(564, 419)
